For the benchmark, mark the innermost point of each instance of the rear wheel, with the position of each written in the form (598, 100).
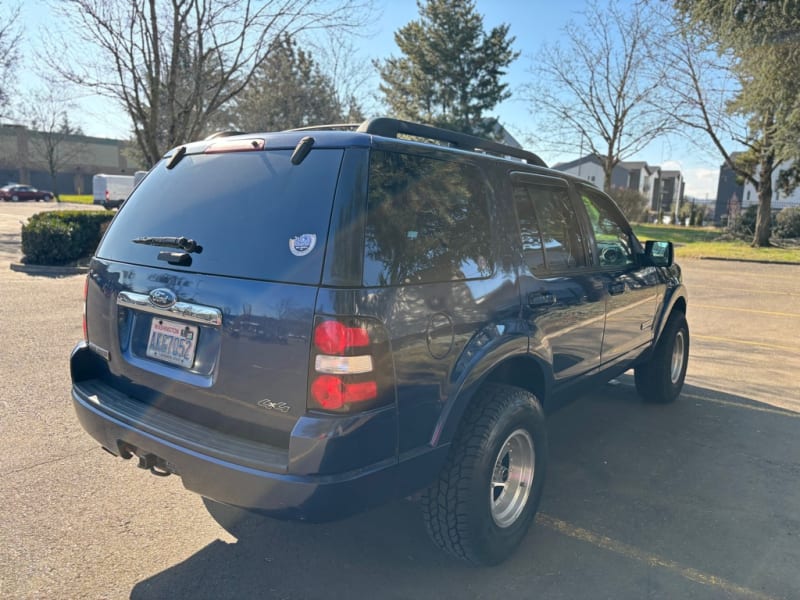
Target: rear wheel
(661, 378)
(487, 494)
(15, 198)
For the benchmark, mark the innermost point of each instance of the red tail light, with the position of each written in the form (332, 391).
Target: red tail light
(332, 393)
(333, 337)
(343, 375)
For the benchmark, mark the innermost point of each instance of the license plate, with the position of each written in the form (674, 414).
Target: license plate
(172, 342)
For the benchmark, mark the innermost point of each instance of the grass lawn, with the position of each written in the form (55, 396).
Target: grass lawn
(708, 242)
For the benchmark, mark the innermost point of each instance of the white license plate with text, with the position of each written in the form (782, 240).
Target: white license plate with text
(172, 342)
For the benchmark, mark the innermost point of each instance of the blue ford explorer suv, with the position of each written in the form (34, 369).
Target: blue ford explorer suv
(310, 323)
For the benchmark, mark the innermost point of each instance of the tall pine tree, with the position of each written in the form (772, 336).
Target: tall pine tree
(287, 90)
(451, 69)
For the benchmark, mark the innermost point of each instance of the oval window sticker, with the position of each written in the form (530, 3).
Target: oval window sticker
(301, 245)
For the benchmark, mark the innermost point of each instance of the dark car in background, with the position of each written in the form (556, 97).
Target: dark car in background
(20, 193)
(311, 323)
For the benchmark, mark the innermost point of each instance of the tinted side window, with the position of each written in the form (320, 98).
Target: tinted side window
(427, 220)
(614, 245)
(531, 237)
(551, 239)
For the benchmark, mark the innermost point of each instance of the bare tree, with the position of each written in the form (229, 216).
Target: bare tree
(53, 141)
(349, 73)
(601, 89)
(10, 39)
(754, 45)
(173, 65)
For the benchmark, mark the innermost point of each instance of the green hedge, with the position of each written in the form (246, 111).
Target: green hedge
(787, 223)
(62, 237)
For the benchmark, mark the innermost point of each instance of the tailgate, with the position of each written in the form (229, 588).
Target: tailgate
(239, 367)
(202, 292)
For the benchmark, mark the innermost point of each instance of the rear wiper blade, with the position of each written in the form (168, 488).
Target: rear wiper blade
(187, 244)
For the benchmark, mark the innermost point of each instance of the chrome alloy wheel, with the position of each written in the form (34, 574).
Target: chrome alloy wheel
(676, 364)
(512, 478)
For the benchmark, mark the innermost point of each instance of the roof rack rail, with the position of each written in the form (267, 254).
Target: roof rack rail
(388, 127)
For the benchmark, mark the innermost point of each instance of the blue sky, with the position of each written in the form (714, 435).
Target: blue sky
(532, 22)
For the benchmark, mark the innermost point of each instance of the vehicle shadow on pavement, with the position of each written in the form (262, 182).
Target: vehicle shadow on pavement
(694, 499)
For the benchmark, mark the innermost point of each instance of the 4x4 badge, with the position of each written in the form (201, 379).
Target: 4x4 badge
(300, 245)
(270, 405)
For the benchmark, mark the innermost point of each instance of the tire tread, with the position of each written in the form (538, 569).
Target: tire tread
(444, 505)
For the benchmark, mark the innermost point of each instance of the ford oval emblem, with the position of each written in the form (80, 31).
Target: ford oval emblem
(163, 298)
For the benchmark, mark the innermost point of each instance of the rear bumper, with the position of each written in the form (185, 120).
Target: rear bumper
(243, 473)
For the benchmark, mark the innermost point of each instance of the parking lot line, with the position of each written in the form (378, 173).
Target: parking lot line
(759, 274)
(748, 310)
(607, 543)
(713, 338)
(782, 293)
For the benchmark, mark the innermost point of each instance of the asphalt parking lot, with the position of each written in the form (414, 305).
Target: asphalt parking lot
(700, 499)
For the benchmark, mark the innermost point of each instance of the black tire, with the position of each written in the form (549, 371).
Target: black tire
(461, 518)
(660, 379)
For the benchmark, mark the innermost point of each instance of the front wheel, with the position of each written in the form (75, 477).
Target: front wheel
(488, 491)
(660, 379)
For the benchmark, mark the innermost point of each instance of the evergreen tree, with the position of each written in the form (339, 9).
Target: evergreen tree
(450, 70)
(287, 91)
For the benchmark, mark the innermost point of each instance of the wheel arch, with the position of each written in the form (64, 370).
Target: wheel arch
(674, 302)
(520, 369)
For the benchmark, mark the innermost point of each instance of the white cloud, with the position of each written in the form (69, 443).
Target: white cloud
(701, 182)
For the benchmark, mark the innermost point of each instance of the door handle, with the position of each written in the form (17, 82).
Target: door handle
(616, 288)
(541, 299)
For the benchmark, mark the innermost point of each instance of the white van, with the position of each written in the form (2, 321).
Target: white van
(111, 190)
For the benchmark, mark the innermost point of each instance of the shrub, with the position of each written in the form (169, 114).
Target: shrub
(631, 203)
(787, 223)
(746, 224)
(61, 237)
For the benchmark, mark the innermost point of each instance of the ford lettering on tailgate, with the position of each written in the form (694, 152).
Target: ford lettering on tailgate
(172, 342)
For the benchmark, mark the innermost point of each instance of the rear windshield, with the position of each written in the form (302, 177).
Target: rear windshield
(254, 214)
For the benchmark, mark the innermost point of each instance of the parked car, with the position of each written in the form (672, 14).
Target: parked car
(311, 323)
(19, 193)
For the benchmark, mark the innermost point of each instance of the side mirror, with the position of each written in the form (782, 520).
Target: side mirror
(659, 254)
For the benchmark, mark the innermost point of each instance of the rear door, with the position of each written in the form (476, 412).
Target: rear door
(202, 292)
(562, 299)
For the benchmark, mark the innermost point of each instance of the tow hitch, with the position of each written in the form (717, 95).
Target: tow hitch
(147, 460)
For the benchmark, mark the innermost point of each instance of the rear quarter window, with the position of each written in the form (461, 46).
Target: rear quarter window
(243, 208)
(427, 221)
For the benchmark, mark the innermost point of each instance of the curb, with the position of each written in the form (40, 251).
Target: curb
(751, 260)
(47, 270)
